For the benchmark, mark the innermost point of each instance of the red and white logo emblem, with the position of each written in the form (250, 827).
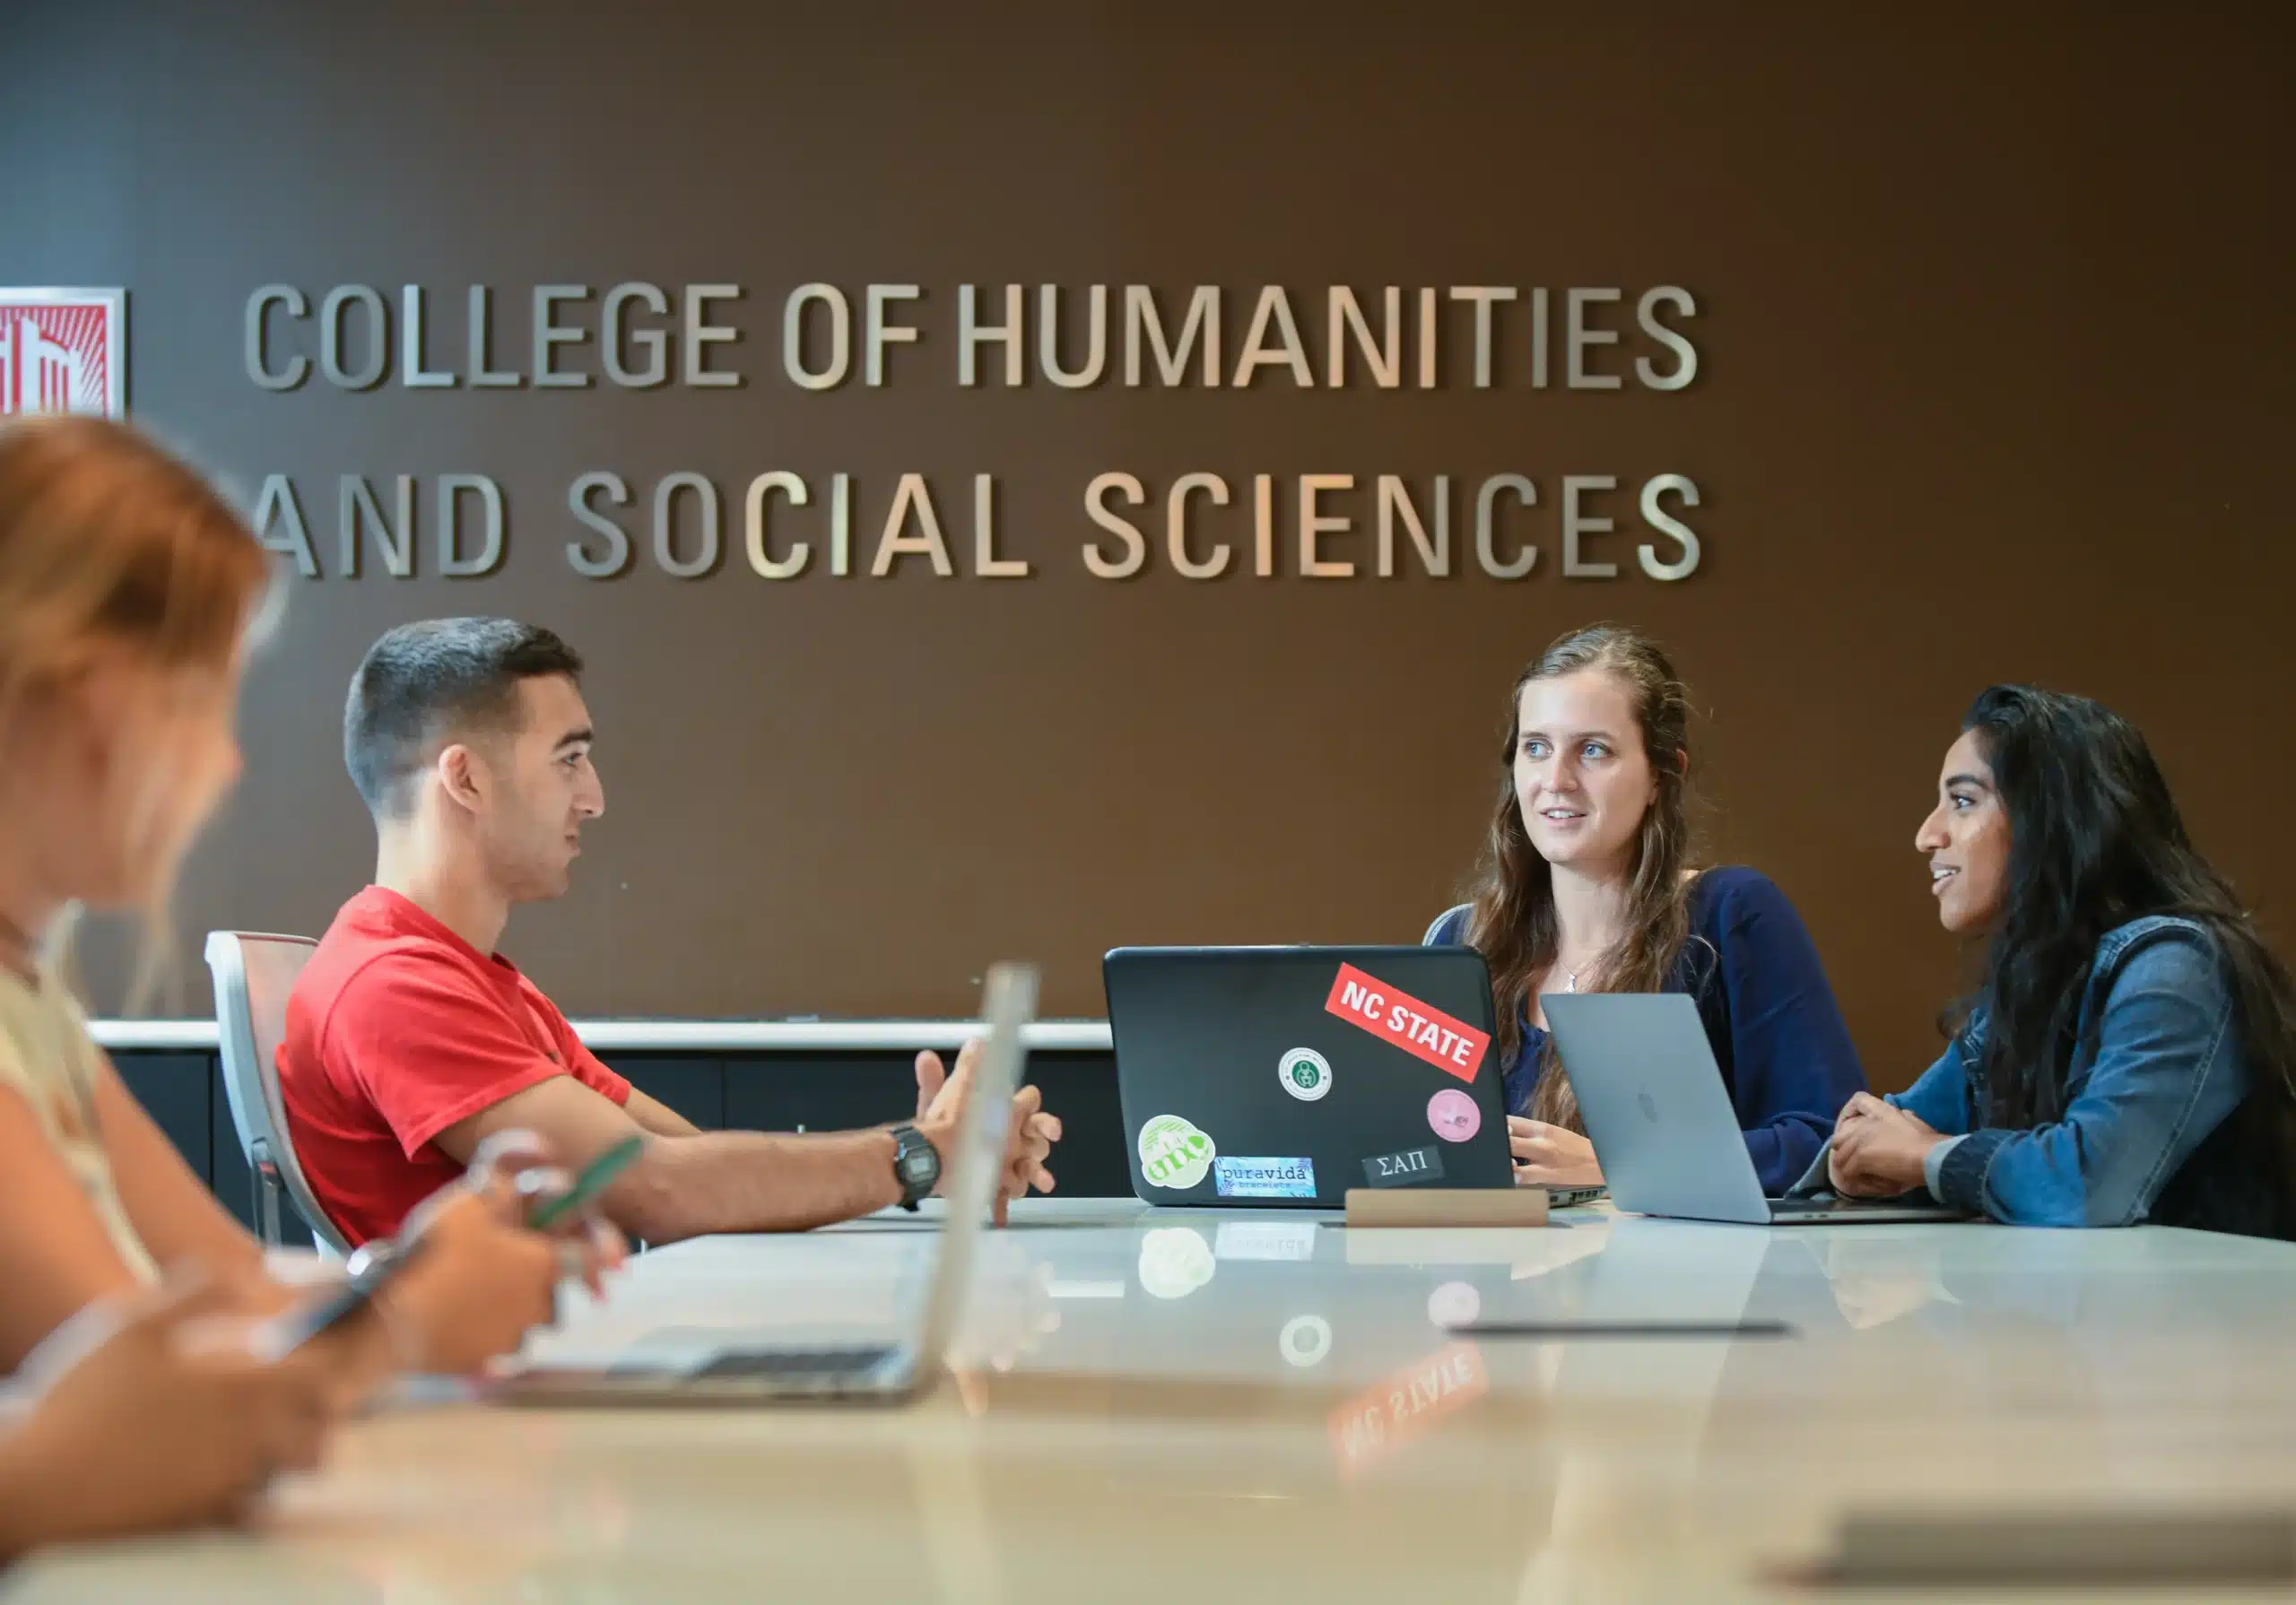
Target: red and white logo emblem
(1419, 1030)
(63, 350)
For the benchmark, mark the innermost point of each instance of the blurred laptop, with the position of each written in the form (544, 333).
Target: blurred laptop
(1660, 1118)
(1280, 1078)
(754, 1373)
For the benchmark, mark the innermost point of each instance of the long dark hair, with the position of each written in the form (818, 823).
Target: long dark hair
(1513, 921)
(2095, 840)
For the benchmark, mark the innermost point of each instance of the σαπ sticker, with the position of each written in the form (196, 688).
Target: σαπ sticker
(1419, 1030)
(1306, 1074)
(1264, 1178)
(1173, 1153)
(1405, 1169)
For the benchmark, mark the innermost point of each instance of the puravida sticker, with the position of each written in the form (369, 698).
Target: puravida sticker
(1173, 1153)
(1264, 1178)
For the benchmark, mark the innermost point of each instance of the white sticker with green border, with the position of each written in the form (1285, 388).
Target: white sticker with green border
(1173, 1153)
(1306, 1074)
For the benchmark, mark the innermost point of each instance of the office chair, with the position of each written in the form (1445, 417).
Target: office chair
(254, 974)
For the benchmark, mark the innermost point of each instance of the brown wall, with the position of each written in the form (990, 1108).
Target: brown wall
(1995, 339)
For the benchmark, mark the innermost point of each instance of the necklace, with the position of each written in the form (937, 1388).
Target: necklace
(1569, 976)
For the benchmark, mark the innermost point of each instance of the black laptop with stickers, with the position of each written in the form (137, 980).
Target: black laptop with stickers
(1279, 1078)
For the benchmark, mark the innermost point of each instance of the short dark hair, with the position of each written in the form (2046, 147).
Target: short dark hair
(422, 681)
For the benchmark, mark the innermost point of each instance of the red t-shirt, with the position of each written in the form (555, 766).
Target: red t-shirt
(396, 1029)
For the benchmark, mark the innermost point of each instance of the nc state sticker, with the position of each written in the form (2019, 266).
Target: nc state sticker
(1421, 1030)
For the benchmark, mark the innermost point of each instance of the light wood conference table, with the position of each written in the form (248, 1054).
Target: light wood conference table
(1186, 1407)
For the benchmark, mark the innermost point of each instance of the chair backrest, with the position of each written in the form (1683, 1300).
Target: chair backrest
(1444, 918)
(254, 974)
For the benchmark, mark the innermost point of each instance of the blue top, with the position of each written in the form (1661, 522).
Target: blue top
(1770, 1015)
(2158, 1069)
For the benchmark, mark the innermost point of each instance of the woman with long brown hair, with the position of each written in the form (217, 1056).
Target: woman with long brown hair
(1587, 884)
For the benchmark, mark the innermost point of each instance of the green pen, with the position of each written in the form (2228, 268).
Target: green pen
(593, 1181)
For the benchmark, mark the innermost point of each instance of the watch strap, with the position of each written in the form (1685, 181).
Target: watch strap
(906, 1139)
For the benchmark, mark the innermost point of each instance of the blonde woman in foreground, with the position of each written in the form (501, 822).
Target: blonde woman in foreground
(127, 590)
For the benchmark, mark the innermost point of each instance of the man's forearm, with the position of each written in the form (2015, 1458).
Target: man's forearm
(753, 1182)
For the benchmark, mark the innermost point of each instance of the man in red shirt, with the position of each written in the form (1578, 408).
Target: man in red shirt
(410, 1040)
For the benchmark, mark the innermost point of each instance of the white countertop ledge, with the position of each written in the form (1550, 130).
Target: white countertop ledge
(689, 1035)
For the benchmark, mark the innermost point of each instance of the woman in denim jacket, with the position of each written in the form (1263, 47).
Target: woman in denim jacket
(2127, 1057)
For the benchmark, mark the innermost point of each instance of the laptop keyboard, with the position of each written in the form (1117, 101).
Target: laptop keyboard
(793, 1362)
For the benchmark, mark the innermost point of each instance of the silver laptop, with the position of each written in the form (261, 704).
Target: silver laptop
(1660, 1119)
(753, 1373)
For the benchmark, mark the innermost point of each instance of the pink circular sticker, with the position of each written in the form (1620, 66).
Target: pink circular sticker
(1454, 1115)
(1453, 1304)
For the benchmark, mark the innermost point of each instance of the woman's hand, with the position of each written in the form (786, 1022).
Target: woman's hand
(590, 1245)
(482, 1279)
(1878, 1149)
(157, 1413)
(1551, 1156)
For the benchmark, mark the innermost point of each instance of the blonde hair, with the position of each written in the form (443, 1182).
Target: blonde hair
(108, 540)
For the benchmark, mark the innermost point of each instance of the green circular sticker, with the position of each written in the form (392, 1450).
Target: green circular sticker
(1175, 1261)
(1173, 1153)
(1306, 1074)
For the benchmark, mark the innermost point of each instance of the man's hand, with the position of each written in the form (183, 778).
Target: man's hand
(1878, 1149)
(941, 1100)
(1551, 1156)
